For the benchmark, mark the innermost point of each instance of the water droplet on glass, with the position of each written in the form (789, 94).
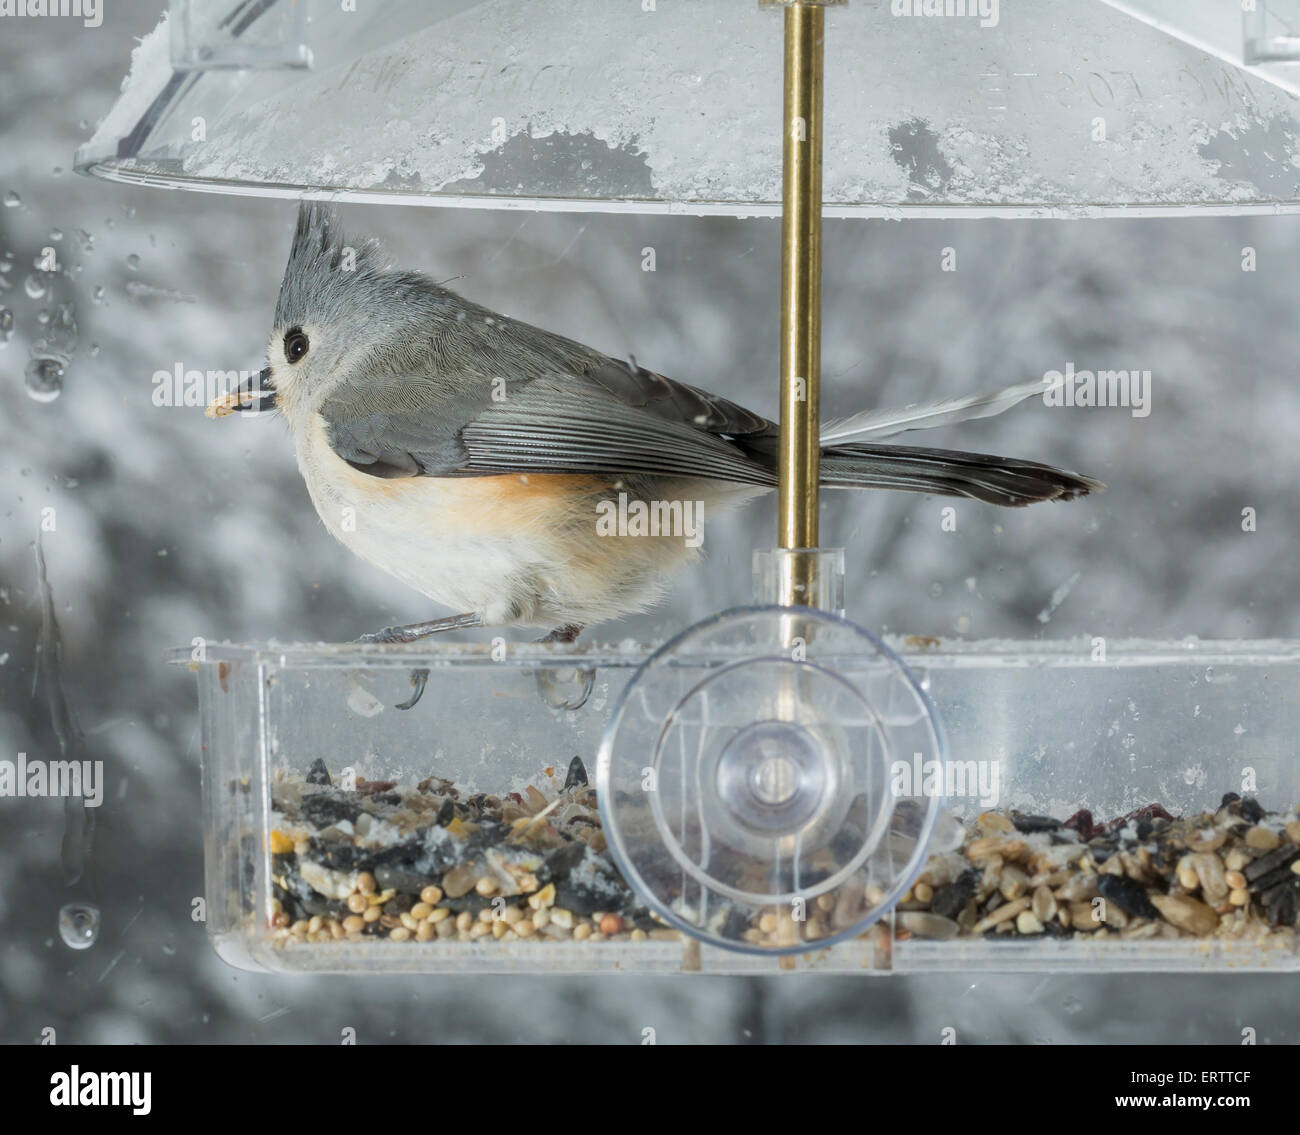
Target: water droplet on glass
(56, 234)
(82, 124)
(6, 322)
(34, 286)
(45, 378)
(98, 294)
(63, 329)
(57, 171)
(79, 925)
(133, 262)
(43, 316)
(94, 350)
(936, 589)
(169, 949)
(12, 200)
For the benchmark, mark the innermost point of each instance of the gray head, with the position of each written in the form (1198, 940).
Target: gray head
(343, 311)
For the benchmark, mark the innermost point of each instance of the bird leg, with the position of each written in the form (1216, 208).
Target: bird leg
(567, 633)
(413, 632)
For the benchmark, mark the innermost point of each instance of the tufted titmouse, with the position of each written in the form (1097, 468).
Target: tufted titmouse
(473, 456)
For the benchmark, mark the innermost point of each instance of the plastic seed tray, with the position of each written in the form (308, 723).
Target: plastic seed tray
(1128, 806)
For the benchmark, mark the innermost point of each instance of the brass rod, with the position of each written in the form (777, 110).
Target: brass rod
(801, 235)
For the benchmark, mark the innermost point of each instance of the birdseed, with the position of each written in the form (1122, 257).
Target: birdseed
(431, 864)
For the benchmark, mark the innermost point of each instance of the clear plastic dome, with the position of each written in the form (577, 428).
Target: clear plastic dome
(1040, 109)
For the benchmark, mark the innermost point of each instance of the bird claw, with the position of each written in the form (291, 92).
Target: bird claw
(551, 684)
(419, 679)
(414, 632)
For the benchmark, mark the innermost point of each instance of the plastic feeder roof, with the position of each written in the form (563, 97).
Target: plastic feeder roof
(1058, 108)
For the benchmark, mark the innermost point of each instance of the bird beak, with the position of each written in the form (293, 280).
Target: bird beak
(256, 394)
(252, 396)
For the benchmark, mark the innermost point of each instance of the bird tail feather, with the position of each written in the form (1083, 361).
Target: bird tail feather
(872, 425)
(1004, 481)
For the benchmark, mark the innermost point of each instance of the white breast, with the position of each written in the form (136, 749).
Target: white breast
(413, 528)
(515, 549)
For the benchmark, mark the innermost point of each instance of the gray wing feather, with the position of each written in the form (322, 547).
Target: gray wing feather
(613, 419)
(557, 425)
(676, 402)
(400, 427)
(565, 408)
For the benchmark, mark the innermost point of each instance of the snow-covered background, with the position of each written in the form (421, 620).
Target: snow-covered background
(169, 526)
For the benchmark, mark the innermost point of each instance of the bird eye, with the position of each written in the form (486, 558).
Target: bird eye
(295, 344)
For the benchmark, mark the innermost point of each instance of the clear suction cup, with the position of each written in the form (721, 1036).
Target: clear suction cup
(757, 780)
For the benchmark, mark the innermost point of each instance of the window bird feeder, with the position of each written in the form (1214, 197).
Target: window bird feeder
(775, 785)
